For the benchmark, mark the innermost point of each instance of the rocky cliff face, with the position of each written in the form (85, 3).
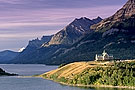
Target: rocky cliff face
(126, 12)
(73, 31)
(38, 43)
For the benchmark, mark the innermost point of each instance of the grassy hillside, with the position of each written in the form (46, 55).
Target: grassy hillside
(120, 73)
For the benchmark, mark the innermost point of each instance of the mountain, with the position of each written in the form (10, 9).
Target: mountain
(39, 52)
(123, 18)
(97, 20)
(115, 34)
(6, 56)
(82, 39)
(73, 31)
(35, 44)
(31, 48)
(38, 43)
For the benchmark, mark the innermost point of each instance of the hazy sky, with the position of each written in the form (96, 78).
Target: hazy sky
(24, 20)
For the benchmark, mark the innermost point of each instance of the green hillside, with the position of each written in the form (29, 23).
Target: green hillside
(120, 73)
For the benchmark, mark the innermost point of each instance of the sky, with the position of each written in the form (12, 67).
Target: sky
(24, 20)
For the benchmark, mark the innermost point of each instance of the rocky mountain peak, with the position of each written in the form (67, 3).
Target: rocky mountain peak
(85, 19)
(81, 20)
(126, 12)
(97, 20)
(36, 43)
(73, 31)
(131, 2)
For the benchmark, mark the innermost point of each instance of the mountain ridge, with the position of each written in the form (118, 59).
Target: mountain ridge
(73, 31)
(7, 55)
(47, 50)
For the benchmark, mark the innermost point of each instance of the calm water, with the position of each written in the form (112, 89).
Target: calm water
(16, 83)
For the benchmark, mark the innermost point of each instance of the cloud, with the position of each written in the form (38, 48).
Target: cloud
(10, 1)
(52, 17)
(51, 4)
(10, 25)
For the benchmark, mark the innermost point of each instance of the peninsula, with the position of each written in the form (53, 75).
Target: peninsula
(3, 73)
(119, 74)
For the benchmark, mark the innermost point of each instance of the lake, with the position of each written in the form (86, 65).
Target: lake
(17, 83)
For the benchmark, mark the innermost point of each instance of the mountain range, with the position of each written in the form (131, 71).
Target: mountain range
(83, 38)
(41, 51)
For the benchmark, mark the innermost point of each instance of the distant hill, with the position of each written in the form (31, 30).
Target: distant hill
(6, 56)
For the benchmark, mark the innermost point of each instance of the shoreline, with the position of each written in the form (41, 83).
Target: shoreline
(88, 86)
(81, 85)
